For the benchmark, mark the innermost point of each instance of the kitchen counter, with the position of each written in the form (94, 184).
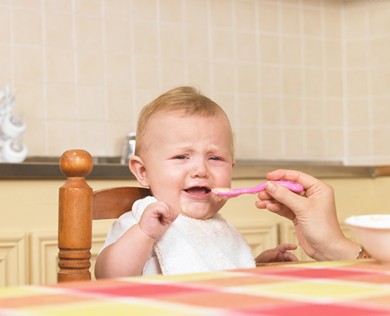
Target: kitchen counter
(110, 168)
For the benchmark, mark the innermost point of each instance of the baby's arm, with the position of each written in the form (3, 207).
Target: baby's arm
(277, 254)
(128, 255)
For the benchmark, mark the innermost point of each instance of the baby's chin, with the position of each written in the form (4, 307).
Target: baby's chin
(195, 213)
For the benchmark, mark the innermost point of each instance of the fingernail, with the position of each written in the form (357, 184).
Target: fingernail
(271, 187)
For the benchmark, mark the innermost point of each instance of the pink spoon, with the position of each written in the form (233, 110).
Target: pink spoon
(230, 193)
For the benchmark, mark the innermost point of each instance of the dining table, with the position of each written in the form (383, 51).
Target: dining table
(347, 288)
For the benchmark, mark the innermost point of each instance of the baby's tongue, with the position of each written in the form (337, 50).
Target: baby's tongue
(196, 190)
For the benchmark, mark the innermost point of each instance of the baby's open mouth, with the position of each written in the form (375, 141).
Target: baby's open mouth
(198, 190)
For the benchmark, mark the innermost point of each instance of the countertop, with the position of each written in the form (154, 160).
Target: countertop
(110, 168)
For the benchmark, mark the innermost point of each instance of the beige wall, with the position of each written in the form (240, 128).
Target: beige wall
(300, 79)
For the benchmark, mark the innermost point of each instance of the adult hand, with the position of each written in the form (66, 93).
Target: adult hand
(313, 214)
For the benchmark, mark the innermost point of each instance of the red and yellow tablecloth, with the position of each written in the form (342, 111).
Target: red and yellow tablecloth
(327, 288)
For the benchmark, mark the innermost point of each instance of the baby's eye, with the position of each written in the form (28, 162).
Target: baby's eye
(180, 157)
(216, 158)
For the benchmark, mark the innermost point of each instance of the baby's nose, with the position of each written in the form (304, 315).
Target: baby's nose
(200, 169)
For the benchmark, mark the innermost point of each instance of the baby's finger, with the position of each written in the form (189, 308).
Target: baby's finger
(289, 246)
(288, 256)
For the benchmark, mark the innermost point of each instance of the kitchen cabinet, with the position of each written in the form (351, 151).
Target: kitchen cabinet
(28, 226)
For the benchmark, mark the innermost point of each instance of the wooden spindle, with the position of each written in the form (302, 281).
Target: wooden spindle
(75, 206)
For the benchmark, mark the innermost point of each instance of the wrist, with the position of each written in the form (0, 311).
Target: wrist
(347, 250)
(145, 235)
(341, 250)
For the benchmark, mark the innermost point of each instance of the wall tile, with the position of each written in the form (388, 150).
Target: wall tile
(246, 43)
(119, 69)
(270, 111)
(223, 76)
(315, 72)
(269, 17)
(61, 101)
(270, 80)
(269, 49)
(248, 142)
(90, 7)
(357, 82)
(294, 143)
(27, 27)
(357, 53)
(28, 63)
(31, 103)
(5, 65)
(117, 8)
(90, 67)
(171, 11)
(380, 111)
(172, 40)
(89, 32)
(4, 26)
(58, 6)
(291, 52)
(315, 144)
(196, 13)
(356, 22)
(58, 32)
(60, 65)
(223, 45)
(119, 104)
(117, 34)
(291, 20)
(313, 53)
(358, 113)
(379, 50)
(332, 20)
(174, 72)
(271, 139)
(293, 112)
(314, 82)
(63, 135)
(379, 22)
(199, 73)
(146, 41)
(147, 73)
(334, 83)
(221, 13)
(312, 25)
(144, 10)
(380, 80)
(91, 103)
(247, 79)
(245, 12)
(292, 81)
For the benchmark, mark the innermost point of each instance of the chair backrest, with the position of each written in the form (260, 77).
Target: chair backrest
(78, 206)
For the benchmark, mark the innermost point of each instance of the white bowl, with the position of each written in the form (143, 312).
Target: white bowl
(373, 233)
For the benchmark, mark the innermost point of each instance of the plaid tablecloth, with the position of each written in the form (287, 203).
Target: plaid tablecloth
(327, 288)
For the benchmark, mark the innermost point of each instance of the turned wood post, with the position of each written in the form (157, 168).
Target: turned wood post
(75, 217)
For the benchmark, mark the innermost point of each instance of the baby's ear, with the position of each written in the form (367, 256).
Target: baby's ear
(137, 167)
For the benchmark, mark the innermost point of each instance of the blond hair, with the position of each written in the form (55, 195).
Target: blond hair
(187, 99)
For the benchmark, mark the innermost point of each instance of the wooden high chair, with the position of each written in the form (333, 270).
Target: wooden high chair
(78, 206)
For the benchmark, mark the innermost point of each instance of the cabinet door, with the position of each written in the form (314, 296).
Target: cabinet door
(44, 255)
(260, 237)
(13, 261)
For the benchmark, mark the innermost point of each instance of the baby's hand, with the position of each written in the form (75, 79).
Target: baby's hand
(156, 219)
(278, 254)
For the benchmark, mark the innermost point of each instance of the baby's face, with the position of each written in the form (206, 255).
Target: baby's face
(185, 157)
